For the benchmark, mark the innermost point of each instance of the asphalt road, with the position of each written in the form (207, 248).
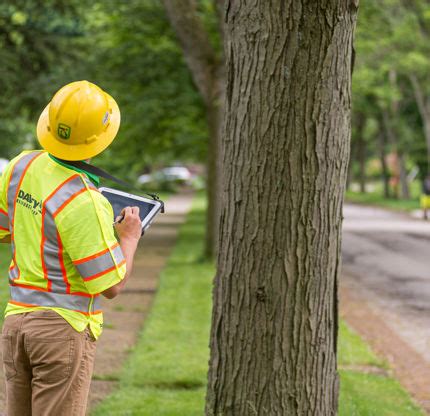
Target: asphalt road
(386, 257)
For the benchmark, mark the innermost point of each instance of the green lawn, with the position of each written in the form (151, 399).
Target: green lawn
(165, 374)
(376, 198)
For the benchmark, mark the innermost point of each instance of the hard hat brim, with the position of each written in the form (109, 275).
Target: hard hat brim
(78, 151)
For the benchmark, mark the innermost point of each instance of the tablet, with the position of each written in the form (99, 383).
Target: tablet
(148, 208)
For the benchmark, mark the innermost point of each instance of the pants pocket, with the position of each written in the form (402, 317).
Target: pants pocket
(8, 361)
(51, 358)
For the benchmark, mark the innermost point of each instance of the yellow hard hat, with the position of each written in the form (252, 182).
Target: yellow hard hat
(79, 123)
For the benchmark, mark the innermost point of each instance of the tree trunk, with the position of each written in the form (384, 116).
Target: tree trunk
(423, 103)
(207, 70)
(285, 153)
(404, 185)
(383, 159)
(361, 152)
(214, 170)
(400, 170)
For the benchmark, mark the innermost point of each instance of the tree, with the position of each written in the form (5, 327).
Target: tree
(162, 113)
(37, 47)
(207, 67)
(285, 153)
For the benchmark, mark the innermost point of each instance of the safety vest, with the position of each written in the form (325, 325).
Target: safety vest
(64, 251)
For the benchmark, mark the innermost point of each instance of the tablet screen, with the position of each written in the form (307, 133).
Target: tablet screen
(119, 202)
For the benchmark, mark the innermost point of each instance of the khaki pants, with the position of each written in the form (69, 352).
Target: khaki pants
(47, 364)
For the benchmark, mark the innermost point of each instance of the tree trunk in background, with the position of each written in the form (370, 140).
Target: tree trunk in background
(401, 163)
(382, 157)
(361, 151)
(207, 70)
(285, 154)
(423, 103)
(404, 185)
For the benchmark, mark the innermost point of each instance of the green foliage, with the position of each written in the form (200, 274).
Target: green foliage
(143, 68)
(37, 42)
(392, 45)
(127, 48)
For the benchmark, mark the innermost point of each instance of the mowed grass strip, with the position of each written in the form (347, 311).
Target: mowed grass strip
(367, 388)
(376, 199)
(166, 372)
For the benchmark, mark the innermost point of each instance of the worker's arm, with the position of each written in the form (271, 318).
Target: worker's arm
(5, 239)
(129, 231)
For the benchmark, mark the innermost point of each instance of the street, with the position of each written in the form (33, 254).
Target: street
(386, 258)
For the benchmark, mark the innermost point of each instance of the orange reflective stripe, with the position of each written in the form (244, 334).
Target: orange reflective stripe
(94, 256)
(31, 305)
(67, 202)
(26, 286)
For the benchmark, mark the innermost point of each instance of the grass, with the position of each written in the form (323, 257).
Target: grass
(165, 374)
(362, 392)
(375, 197)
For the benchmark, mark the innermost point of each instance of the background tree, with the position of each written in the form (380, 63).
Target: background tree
(205, 60)
(38, 43)
(163, 117)
(285, 153)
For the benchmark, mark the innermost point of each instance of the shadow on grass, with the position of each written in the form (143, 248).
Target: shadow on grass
(176, 385)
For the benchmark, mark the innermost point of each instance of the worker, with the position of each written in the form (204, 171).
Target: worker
(64, 255)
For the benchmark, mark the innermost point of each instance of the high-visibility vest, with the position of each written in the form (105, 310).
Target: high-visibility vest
(64, 251)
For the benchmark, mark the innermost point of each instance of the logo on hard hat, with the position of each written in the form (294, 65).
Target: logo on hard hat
(64, 131)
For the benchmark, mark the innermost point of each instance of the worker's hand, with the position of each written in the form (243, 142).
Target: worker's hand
(130, 228)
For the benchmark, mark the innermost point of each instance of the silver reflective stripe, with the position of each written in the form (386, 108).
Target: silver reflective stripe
(4, 220)
(12, 193)
(13, 273)
(97, 304)
(15, 178)
(100, 264)
(51, 243)
(89, 183)
(50, 299)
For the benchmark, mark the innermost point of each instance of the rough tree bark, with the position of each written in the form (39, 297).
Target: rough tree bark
(285, 151)
(207, 70)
